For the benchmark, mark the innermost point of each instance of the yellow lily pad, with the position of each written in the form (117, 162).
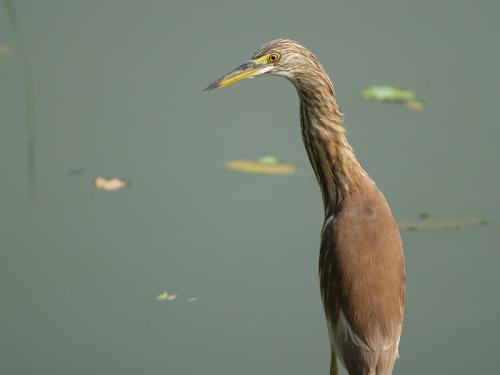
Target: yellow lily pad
(249, 166)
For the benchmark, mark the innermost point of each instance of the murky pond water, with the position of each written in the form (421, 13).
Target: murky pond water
(116, 92)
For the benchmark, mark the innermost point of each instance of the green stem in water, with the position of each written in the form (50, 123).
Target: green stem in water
(29, 97)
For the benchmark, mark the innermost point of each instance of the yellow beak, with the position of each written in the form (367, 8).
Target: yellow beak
(247, 70)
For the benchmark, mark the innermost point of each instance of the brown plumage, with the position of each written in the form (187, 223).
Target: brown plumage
(361, 265)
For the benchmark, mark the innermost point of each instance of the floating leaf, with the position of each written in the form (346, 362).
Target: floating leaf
(265, 165)
(387, 93)
(110, 184)
(165, 296)
(162, 296)
(426, 222)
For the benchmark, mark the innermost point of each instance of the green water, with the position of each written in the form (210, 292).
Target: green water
(117, 92)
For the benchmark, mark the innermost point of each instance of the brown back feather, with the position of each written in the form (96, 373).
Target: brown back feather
(362, 266)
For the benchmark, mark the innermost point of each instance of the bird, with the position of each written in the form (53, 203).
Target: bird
(361, 262)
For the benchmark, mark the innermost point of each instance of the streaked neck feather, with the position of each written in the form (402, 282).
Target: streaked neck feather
(334, 163)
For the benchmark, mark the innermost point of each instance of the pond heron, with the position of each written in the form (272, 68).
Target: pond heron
(361, 262)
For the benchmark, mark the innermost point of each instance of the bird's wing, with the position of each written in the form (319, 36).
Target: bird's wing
(362, 271)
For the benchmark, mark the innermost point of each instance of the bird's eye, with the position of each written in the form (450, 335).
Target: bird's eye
(273, 57)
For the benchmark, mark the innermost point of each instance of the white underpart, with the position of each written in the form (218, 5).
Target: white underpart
(328, 220)
(264, 69)
(342, 332)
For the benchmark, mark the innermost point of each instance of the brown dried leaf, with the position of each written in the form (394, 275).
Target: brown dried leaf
(110, 184)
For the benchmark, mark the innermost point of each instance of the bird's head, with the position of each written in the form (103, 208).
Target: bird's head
(282, 57)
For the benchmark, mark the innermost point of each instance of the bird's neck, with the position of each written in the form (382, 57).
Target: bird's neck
(337, 169)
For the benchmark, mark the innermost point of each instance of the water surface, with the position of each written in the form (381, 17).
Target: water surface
(117, 88)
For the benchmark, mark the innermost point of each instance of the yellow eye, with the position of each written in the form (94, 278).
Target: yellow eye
(273, 57)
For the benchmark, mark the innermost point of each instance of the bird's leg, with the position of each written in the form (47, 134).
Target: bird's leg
(333, 365)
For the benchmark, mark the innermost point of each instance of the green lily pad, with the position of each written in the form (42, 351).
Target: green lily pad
(386, 93)
(393, 94)
(268, 159)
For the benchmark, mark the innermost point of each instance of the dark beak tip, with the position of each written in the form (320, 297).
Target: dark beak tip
(238, 70)
(212, 86)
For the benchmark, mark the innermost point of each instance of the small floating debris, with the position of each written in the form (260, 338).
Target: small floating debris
(4, 49)
(165, 296)
(110, 184)
(76, 171)
(393, 94)
(264, 165)
(424, 215)
(192, 299)
(426, 222)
